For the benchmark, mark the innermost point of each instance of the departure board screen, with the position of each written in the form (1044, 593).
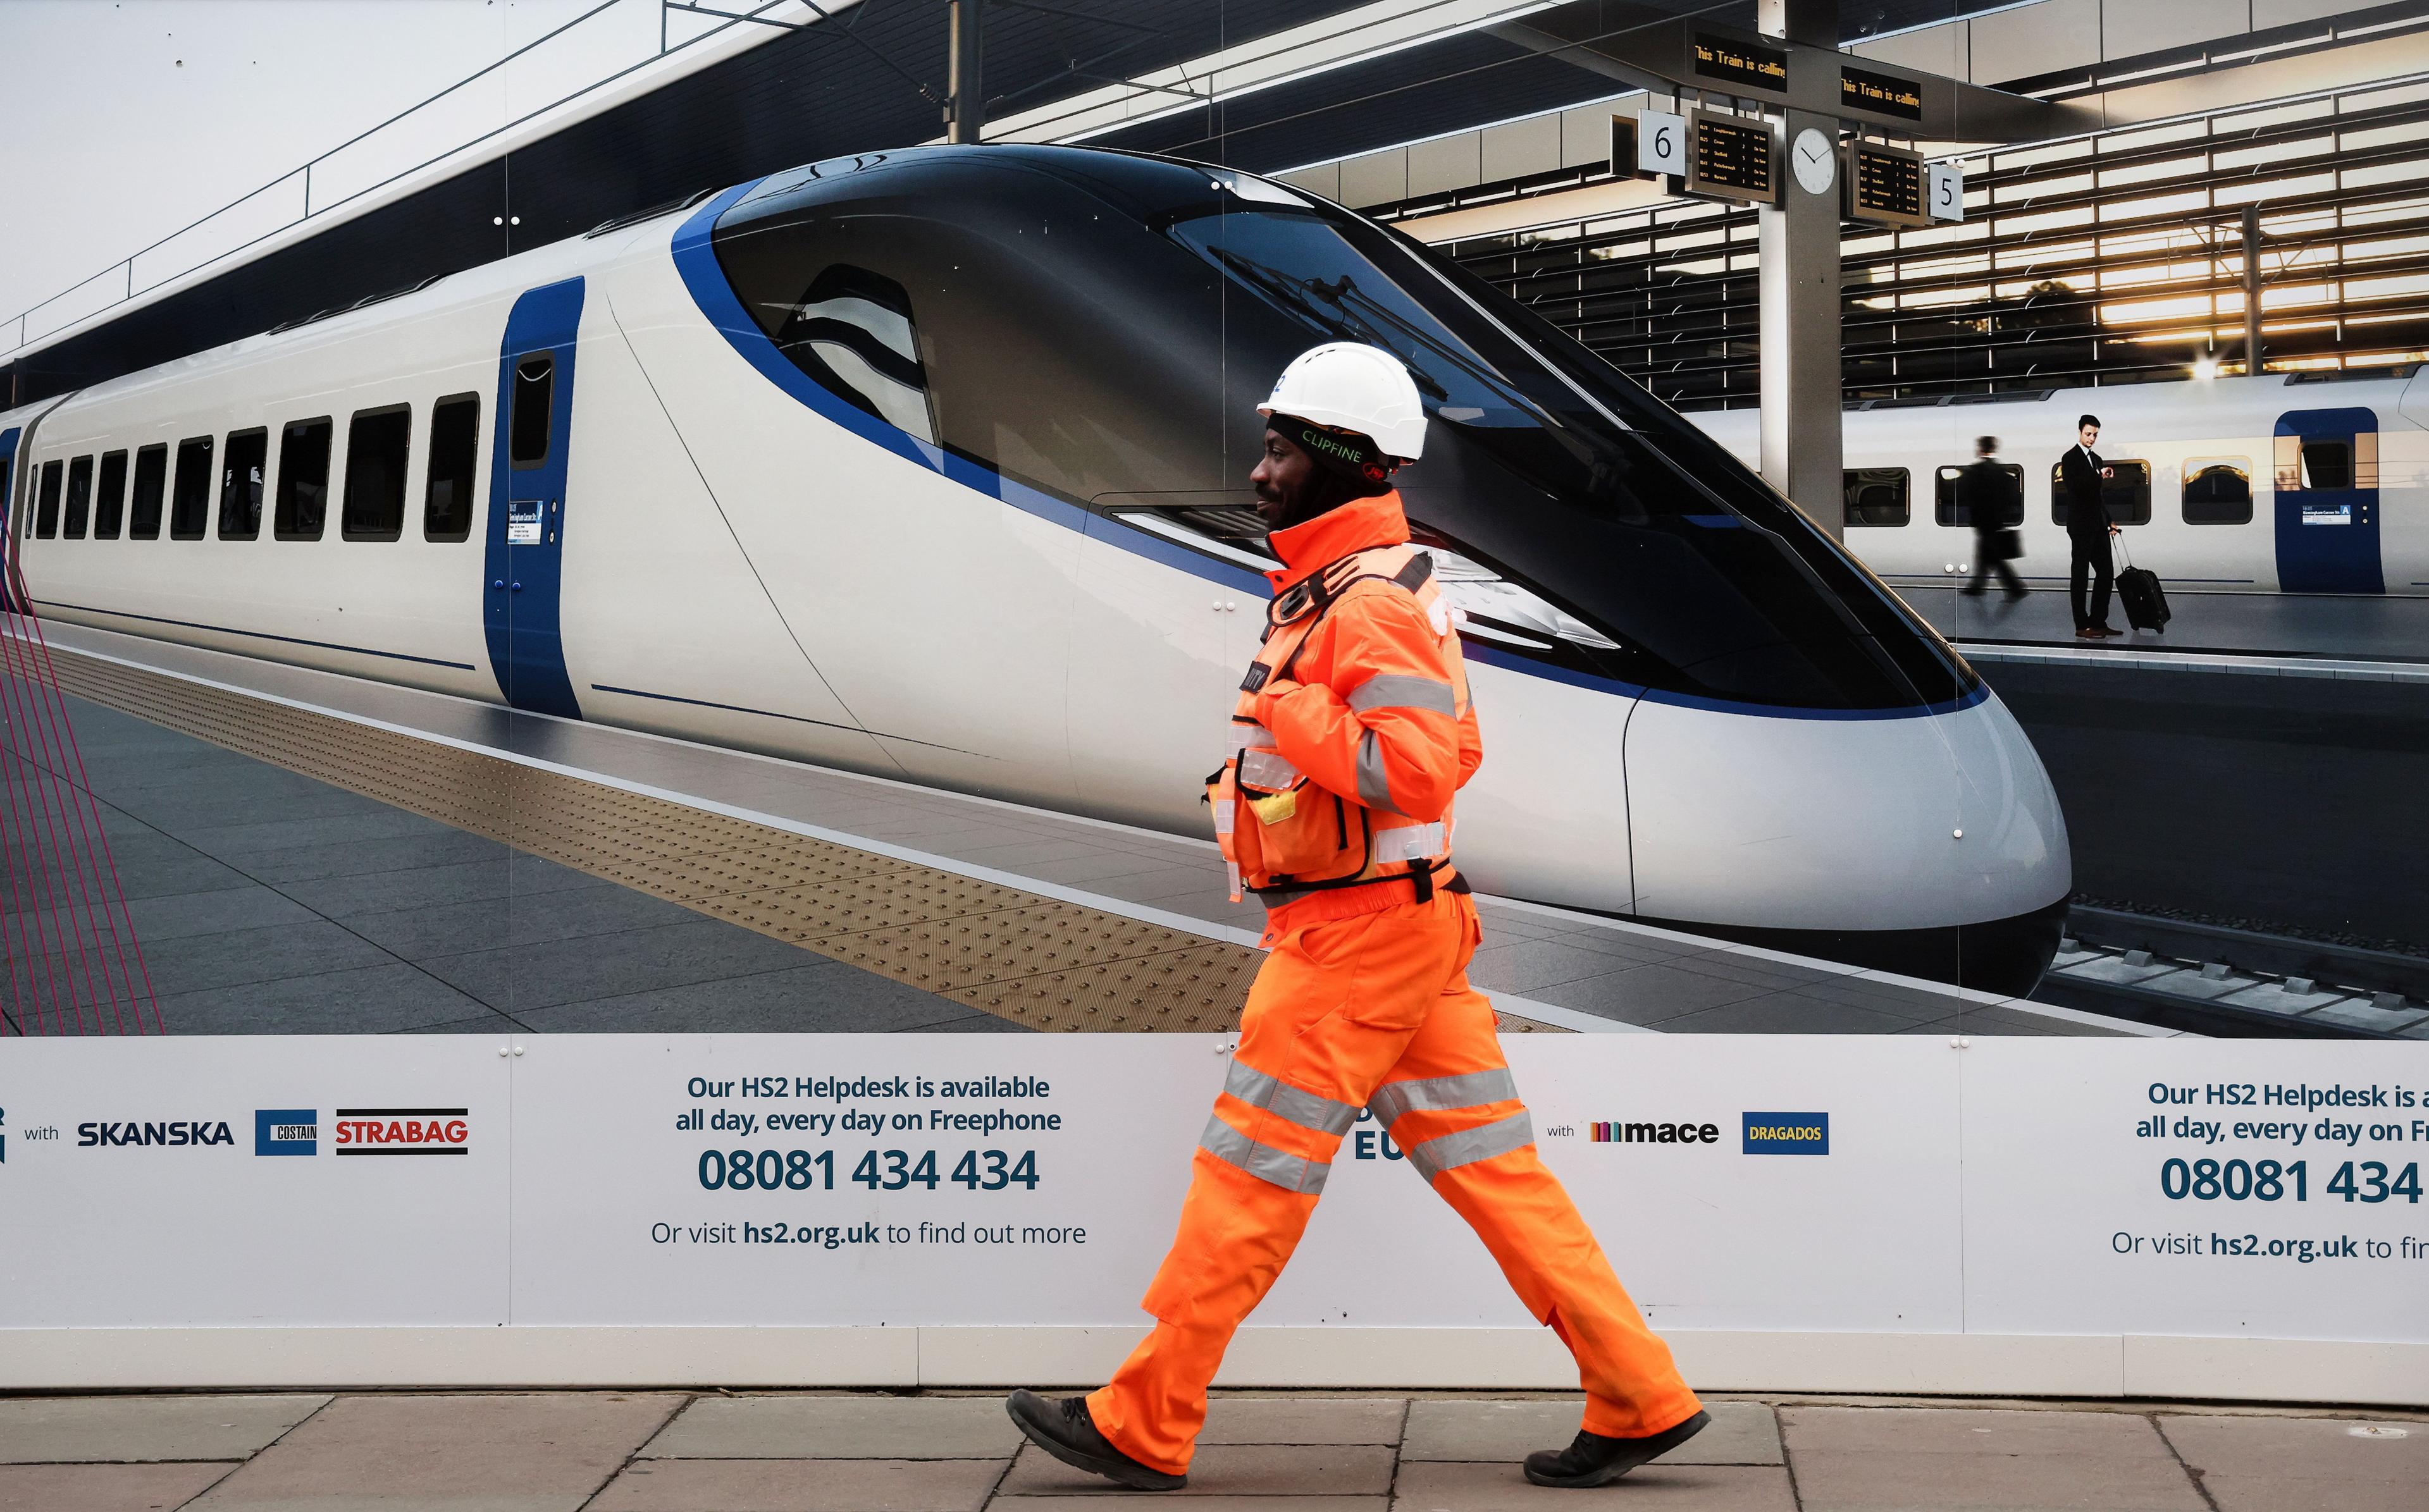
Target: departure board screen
(1740, 63)
(1885, 186)
(1879, 94)
(1731, 157)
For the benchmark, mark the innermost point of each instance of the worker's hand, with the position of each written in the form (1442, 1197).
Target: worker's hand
(2108, 472)
(2115, 530)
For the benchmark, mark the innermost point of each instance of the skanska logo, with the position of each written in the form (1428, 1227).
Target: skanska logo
(179, 1134)
(286, 1131)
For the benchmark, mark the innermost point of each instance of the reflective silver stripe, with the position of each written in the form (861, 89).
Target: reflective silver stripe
(1267, 769)
(1395, 690)
(1373, 789)
(1283, 1100)
(1436, 1093)
(1292, 1173)
(1469, 1145)
(1407, 842)
(1235, 736)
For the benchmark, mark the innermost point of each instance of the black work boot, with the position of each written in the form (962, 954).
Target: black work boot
(1594, 1460)
(1064, 1430)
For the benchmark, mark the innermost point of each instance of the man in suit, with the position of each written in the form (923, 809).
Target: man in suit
(1987, 498)
(2088, 529)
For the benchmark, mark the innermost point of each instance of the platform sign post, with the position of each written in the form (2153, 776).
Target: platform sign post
(1944, 191)
(1661, 143)
(1802, 448)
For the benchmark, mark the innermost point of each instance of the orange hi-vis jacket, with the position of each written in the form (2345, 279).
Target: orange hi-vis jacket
(1353, 731)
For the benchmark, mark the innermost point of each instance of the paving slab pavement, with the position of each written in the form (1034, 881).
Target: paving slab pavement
(123, 1429)
(1741, 1433)
(879, 1452)
(104, 1487)
(1452, 1485)
(1867, 1459)
(838, 1427)
(2269, 1464)
(527, 1452)
(802, 1486)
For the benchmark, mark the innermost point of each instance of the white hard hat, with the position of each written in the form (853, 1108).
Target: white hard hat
(1352, 387)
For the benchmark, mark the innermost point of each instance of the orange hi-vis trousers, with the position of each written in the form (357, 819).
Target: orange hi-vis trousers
(1374, 1012)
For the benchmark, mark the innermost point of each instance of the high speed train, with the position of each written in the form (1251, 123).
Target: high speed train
(934, 463)
(2301, 483)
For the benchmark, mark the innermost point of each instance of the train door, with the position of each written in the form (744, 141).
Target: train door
(7, 515)
(524, 565)
(2327, 476)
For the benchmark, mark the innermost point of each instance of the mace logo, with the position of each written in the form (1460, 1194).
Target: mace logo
(1685, 1132)
(1787, 1133)
(404, 1131)
(286, 1131)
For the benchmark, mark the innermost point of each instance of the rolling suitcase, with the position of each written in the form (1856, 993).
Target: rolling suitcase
(2146, 602)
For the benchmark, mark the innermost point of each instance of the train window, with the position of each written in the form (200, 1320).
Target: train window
(1950, 505)
(851, 330)
(2218, 492)
(241, 485)
(190, 492)
(301, 511)
(151, 482)
(79, 506)
(46, 505)
(376, 441)
(2307, 463)
(1876, 496)
(2127, 493)
(454, 452)
(535, 402)
(110, 497)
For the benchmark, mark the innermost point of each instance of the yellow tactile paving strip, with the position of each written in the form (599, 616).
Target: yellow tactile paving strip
(1037, 961)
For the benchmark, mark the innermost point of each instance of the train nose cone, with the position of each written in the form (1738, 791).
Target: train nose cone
(1922, 841)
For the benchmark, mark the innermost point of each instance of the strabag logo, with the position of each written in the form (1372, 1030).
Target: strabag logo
(404, 1131)
(174, 1135)
(286, 1131)
(1787, 1133)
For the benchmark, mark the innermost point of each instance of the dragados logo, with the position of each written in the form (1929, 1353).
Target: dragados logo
(404, 1131)
(1787, 1133)
(286, 1131)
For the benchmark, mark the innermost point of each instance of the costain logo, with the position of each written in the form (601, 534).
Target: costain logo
(1648, 1133)
(404, 1131)
(286, 1131)
(1787, 1133)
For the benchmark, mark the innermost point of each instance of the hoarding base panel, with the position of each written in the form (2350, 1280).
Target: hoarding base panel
(1331, 1357)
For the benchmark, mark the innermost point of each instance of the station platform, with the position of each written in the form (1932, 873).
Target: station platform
(306, 852)
(2339, 627)
(2272, 794)
(681, 1451)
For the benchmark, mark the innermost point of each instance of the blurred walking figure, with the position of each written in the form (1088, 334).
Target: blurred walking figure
(2088, 529)
(1992, 500)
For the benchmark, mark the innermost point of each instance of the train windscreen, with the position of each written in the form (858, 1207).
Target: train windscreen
(1093, 325)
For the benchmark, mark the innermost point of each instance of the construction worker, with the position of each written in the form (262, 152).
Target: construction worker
(1333, 804)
